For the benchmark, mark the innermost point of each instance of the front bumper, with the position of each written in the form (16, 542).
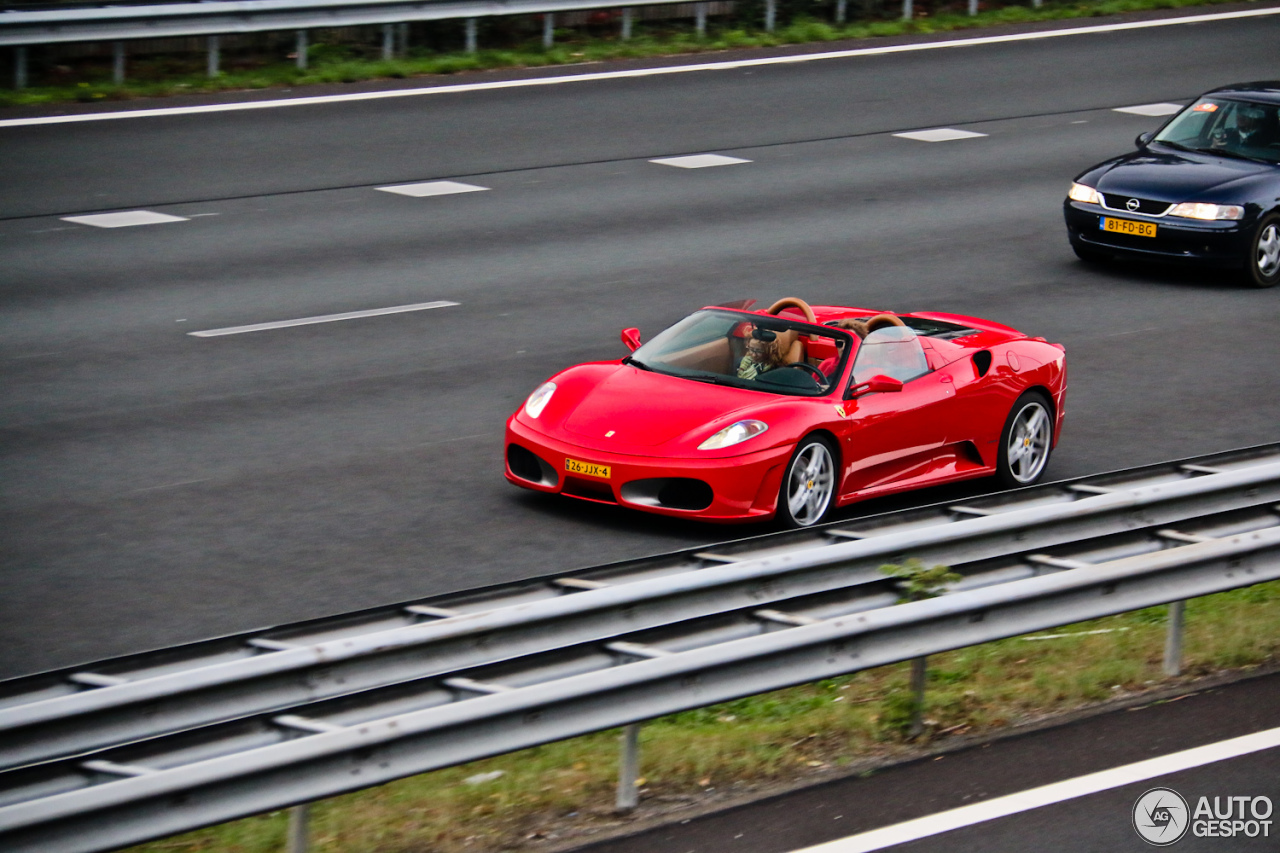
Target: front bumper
(724, 489)
(1216, 244)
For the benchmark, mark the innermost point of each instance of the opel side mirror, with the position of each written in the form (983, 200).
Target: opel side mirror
(631, 337)
(1143, 138)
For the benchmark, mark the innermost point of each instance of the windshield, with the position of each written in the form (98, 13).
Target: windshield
(1227, 127)
(744, 350)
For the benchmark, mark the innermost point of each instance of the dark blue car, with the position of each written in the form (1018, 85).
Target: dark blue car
(1204, 188)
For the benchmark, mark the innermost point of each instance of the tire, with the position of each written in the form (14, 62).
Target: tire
(1262, 265)
(1026, 441)
(809, 484)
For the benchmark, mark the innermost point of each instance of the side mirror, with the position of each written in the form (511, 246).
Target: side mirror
(1143, 138)
(875, 385)
(631, 337)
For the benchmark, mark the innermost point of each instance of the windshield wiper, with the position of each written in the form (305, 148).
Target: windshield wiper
(709, 378)
(635, 362)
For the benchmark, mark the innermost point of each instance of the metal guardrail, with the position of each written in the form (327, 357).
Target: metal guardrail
(221, 17)
(777, 628)
(81, 709)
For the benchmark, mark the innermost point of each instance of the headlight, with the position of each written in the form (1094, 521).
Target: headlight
(539, 398)
(1197, 210)
(1088, 195)
(734, 434)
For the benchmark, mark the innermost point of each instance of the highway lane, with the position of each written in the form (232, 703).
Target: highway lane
(103, 165)
(161, 488)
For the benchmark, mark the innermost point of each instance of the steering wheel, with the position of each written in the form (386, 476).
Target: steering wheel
(818, 375)
(792, 302)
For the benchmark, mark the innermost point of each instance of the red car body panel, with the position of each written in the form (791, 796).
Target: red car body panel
(645, 427)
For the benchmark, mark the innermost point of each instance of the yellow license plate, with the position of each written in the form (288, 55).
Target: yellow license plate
(1127, 226)
(587, 469)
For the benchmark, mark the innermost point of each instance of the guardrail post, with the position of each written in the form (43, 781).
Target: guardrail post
(908, 12)
(548, 30)
(299, 816)
(1173, 640)
(117, 62)
(918, 673)
(700, 17)
(388, 42)
(471, 35)
(626, 23)
(973, 7)
(629, 768)
(770, 15)
(215, 50)
(300, 49)
(842, 11)
(19, 68)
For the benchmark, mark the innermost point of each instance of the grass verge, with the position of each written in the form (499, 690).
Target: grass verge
(545, 797)
(157, 77)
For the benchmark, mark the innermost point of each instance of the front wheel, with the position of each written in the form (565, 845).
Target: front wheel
(1262, 266)
(809, 484)
(1026, 441)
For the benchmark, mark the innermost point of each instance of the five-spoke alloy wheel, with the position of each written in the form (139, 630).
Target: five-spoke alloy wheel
(1026, 441)
(809, 483)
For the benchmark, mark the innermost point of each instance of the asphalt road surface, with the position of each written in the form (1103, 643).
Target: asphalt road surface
(158, 488)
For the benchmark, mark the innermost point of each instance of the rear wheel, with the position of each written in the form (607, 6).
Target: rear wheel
(1026, 441)
(1262, 266)
(809, 484)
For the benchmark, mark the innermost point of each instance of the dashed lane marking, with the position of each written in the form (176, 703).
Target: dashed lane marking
(652, 72)
(1150, 109)
(941, 134)
(327, 318)
(699, 161)
(430, 188)
(124, 219)
(1068, 789)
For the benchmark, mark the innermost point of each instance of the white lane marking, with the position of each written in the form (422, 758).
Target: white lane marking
(941, 134)
(1150, 109)
(1069, 789)
(646, 72)
(327, 318)
(699, 161)
(124, 219)
(430, 188)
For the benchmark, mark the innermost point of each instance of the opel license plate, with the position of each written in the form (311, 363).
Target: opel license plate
(1128, 226)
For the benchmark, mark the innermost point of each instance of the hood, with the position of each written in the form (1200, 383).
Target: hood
(1175, 177)
(645, 409)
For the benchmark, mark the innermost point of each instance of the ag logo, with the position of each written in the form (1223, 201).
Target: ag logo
(1161, 816)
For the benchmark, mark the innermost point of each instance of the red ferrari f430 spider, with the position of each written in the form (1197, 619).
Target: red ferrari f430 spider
(739, 415)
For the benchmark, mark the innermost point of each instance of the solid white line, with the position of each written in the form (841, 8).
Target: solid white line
(1069, 789)
(645, 72)
(327, 318)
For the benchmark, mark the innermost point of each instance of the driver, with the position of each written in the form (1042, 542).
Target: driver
(762, 354)
(1248, 129)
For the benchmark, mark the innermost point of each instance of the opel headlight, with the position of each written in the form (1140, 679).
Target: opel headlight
(1199, 210)
(734, 434)
(539, 398)
(1088, 195)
